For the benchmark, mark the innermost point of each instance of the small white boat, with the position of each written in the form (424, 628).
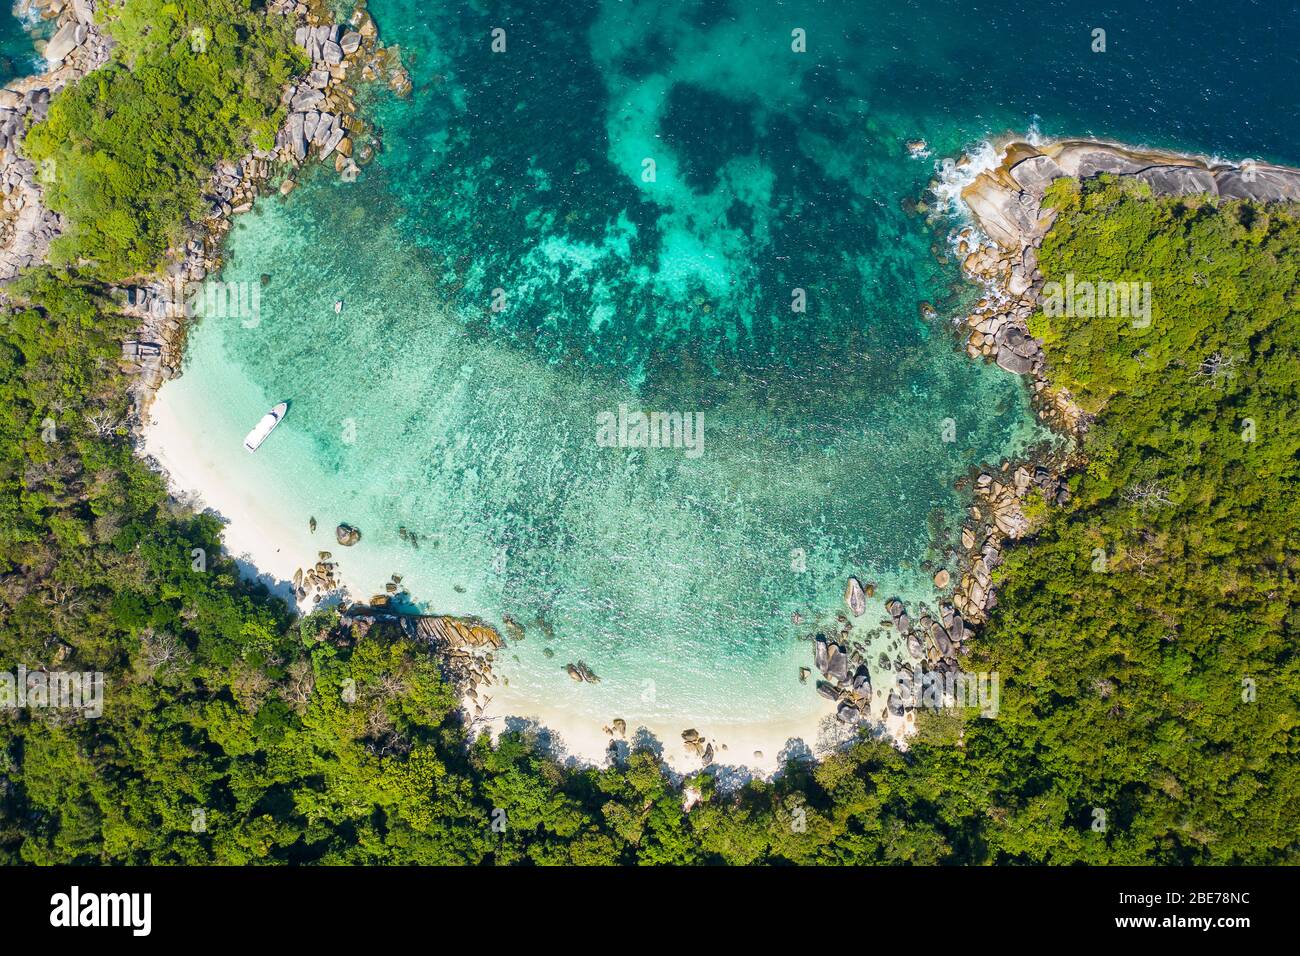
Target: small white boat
(338, 306)
(265, 427)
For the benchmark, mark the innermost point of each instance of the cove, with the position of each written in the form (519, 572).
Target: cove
(835, 433)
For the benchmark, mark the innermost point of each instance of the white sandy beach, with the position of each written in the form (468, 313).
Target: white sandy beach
(270, 544)
(267, 545)
(757, 746)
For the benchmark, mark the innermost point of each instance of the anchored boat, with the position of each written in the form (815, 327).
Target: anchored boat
(263, 428)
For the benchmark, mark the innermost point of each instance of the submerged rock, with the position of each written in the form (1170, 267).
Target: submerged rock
(514, 630)
(581, 673)
(347, 535)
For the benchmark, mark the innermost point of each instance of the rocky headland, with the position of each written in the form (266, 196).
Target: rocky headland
(77, 47)
(1000, 251)
(321, 124)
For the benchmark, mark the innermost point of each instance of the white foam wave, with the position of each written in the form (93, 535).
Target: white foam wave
(951, 178)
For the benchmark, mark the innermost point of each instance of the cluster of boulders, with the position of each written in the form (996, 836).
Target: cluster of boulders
(996, 515)
(387, 62)
(697, 745)
(467, 649)
(320, 105)
(18, 107)
(453, 633)
(153, 354)
(998, 322)
(318, 580)
(76, 44)
(391, 587)
(933, 642)
(465, 646)
(581, 673)
(26, 227)
(233, 187)
(847, 684)
(322, 579)
(845, 681)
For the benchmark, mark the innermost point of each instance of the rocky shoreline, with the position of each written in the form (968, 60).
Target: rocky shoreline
(1000, 252)
(1006, 205)
(321, 122)
(75, 49)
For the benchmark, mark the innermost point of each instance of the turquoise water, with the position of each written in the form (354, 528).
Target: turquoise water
(509, 272)
(17, 48)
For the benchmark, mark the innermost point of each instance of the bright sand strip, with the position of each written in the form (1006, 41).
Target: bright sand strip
(754, 746)
(270, 547)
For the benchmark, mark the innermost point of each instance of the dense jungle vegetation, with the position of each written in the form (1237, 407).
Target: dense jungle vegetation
(1145, 638)
(190, 84)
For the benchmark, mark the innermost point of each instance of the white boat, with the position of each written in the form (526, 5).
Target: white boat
(263, 428)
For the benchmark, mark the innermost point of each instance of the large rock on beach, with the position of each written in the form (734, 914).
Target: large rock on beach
(1259, 181)
(1014, 362)
(837, 664)
(1008, 219)
(307, 99)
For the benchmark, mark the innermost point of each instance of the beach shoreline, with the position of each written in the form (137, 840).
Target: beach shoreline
(269, 549)
(264, 545)
(756, 748)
